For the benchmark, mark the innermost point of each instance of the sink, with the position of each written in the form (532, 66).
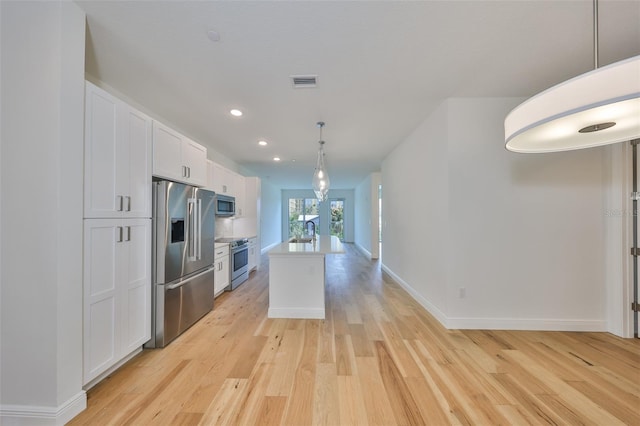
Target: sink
(300, 240)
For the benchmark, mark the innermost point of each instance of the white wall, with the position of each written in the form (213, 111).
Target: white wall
(523, 235)
(366, 215)
(415, 212)
(42, 174)
(270, 216)
(346, 194)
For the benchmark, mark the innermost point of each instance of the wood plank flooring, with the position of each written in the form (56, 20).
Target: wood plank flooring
(377, 359)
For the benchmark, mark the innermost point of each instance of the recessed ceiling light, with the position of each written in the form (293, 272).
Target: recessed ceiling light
(235, 112)
(262, 143)
(276, 158)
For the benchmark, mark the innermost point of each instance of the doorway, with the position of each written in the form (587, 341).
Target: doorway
(336, 214)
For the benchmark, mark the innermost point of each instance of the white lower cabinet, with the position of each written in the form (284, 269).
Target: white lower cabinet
(254, 254)
(221, 277)
(117, 291)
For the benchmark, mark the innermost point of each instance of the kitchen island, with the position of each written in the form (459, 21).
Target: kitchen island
(297, 277)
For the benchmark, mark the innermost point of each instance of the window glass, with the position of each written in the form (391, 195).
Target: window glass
(336, 227)
(301, 211)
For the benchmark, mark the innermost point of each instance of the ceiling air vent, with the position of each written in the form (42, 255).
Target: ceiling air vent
(304, 81)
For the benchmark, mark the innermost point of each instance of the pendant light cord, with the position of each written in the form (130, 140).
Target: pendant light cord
(595, 35)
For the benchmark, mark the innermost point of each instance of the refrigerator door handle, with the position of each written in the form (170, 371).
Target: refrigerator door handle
(192, 214)
(188, 280)
(199, 229)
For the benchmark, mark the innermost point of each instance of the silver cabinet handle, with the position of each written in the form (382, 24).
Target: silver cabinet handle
(128, 203)
(188, 172)
(119, 202)
(128, 233)
(119, 228)
(184, 171)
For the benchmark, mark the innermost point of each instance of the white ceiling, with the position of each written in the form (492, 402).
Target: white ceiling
(382, 68)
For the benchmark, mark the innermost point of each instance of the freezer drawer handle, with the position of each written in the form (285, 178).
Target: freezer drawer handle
(181, 283)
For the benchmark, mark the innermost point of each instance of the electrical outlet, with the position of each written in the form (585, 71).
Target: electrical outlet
(462, 292)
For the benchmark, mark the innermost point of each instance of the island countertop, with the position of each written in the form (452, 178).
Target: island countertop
(324, 244)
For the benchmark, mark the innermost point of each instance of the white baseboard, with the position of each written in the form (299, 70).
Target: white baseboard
(43, 416)
(363, 250)
(269, 247)
(313, 313)
(431, 308)
(88, 385)
(461, 323)
(526, 324)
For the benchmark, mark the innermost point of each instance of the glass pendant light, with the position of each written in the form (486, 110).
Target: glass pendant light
(597, 108)
(320, 182)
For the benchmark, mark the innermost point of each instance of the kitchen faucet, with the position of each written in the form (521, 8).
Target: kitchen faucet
(314, 227)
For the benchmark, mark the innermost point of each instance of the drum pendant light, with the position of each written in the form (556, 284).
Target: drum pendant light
(597, 108)
(320, 181)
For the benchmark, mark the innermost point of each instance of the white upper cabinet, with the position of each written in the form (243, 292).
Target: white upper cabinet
(178, 158)
(252, 200)
(117, 158)
(222, 180)
(194, 157)
(210, 183)
(239, 193)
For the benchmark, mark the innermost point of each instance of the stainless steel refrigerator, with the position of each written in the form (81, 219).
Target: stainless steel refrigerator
(183, 251)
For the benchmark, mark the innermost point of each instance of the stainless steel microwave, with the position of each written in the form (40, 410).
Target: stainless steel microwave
(225, 205)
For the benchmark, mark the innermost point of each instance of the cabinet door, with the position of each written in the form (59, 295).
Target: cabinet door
(222, 180)
(194, 156)
(221, 278)
(256, 259)
(252, 198)
(239, 193)
(101, 195)
(135, 159)
(136, 284)
(252, 253)
(210, 182)
(101, 301)
(167, 153)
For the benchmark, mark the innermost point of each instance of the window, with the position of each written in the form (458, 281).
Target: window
(302, 210)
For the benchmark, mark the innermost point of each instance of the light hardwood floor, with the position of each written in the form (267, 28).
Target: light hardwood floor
(378, 358)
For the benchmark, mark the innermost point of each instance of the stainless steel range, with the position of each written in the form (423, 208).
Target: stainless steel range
(239, 260)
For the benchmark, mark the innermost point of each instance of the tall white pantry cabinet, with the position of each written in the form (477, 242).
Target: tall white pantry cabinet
(117, 232)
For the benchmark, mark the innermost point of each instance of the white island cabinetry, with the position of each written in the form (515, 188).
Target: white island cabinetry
(297, 277)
